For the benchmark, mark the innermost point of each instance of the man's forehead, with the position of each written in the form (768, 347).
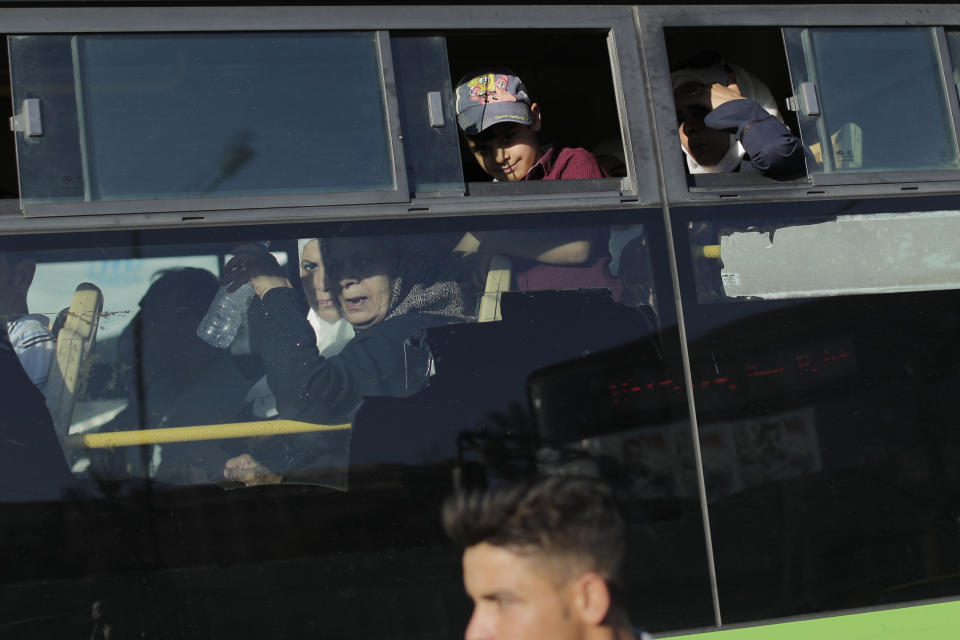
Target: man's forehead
(486, 561)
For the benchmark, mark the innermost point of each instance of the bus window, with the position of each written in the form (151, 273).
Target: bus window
(833, 436)
(138, 117)
(733, 123)
(871, 100)
(364, 389)
(151, 370)
(567, 74)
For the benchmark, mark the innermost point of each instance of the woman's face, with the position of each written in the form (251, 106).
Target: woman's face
(707, 146)
(365, 278)
(312, 279)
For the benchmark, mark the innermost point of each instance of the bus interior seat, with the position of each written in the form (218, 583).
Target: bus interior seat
(59, 321)
(75, 343)
(498, 281)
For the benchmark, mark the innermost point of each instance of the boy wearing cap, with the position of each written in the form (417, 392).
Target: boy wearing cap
(500, 123)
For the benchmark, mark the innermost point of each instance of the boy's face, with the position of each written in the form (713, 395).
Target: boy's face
(507, 151)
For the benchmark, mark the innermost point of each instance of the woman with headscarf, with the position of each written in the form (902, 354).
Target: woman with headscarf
(729, 121)
(390, 293)
(331, 328)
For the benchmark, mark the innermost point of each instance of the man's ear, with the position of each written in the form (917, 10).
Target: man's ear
(23, 275)
(536, 122)
(592, 599)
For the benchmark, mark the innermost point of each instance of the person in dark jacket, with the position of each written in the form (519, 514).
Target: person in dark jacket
(172, 378)
(32, 465)
(390, 291)
(729, 122)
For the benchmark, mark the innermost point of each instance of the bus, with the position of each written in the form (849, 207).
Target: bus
(766, 371)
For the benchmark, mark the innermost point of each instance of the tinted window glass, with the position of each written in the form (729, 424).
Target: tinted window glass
(953, 42)
(304, 485)
(826, 423)
(882, 102)
(430, 143)
(196, 115)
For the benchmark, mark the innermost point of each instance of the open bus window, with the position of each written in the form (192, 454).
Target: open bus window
(146, 116)
(568, 75)
(872, 100)
(729, 90)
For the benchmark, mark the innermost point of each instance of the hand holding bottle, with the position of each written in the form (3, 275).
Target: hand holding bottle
(252, 270)
(254, 264)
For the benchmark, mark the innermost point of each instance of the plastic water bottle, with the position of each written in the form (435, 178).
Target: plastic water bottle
(219, 327)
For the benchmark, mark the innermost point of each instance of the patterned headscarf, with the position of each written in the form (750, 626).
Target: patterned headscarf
(420, 281)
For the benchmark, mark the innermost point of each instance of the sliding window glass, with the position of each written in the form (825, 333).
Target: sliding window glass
(873, 101)
(185, 116)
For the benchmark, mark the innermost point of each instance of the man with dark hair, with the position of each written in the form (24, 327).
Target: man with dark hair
(542, 561)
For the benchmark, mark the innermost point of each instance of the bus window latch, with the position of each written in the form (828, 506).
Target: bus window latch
(435, 109)
(807, 100)
(28, 120)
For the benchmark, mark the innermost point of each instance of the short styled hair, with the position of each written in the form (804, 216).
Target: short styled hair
(571, 519)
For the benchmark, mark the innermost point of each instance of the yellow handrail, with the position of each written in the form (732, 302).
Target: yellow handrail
(193, 434)
(706, 251)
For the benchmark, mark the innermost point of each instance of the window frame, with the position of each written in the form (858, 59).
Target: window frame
(653, 21)
(214, 203)
(640, 187)
(921, 175)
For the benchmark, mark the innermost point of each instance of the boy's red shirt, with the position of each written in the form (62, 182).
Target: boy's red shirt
(570, 164)
(567, 164)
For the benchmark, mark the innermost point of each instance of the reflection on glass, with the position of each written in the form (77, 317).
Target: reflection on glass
(826, 422)
(362, 392)
(883, 106)
(195, 115)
